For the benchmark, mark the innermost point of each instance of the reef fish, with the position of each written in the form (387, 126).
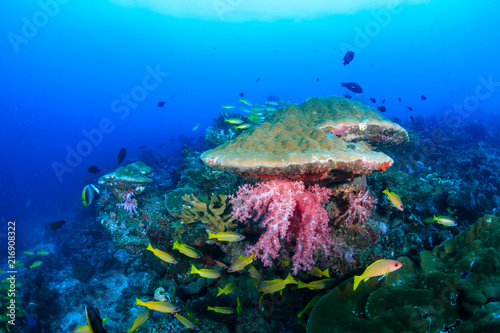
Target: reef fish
(379, 268)
(445, 220)
(316, 285)
(162, 255)
(255, 273)
(229, 288)
(244, 101)
(221, 309)
(423, 97)
(206, 273)
(234, 121)
(93, 169)
(315, 271)
(394, 199)
(56, 224)
(164, 307)
(160, 104)
(228, 106)
(381, 108)
(186, 322)
(196, 127)
(121, 155)
(349, 55)
(239, 305)
(139, 321)
(89, 194)
(30, 253)
(186, 250)
(94, 321)
(241, 263)
(272, 286)
(352, 86)
(36, 264)
(43, 253)
(226, 236)
(373, 100)
(410, 108)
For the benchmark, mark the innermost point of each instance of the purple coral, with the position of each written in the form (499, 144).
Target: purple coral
(130, 204)
(360, 205)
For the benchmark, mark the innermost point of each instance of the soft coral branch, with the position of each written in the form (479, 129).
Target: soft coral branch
(286, 210)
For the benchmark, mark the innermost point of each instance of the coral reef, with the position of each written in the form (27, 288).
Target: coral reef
(214, 213)
(286, 210)
(449, 289)
(296, 144)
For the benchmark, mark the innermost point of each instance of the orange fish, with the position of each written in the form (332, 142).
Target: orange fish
(379, 268)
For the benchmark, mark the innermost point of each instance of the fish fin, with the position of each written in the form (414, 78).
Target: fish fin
(302, 285)
(326, 273)
(176, 245)
(193, 270)
(386, 191)
(138, 301)
(150, 248)
(220, 291)
(290, 279)
(383, 276)
(357, 280)
(210, 234)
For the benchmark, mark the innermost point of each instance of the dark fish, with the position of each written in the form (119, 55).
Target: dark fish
(142, 147)
(56, 225)
(381, 108)
(349, 55)
(121, 155)
(399, 99)
(423, 97)
(241, 94)
(383, 101)
(465, 275)
(161, 104)
(172, 140)
(411, 117)
(410, 108)
(352, 86)
(348, 96)
(93, 169)
(373, 100)
(317, 79)
(94, 320)
(258, 79)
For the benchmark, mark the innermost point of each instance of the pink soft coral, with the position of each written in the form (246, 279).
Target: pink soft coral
(360, 205)
(130, 204)
(286, 210)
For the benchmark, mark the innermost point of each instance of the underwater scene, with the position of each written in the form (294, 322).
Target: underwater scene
(250, 166)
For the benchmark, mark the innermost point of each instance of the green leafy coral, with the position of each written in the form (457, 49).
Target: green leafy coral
(452, 287)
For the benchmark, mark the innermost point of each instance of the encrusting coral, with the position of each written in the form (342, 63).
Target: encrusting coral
(211, 214)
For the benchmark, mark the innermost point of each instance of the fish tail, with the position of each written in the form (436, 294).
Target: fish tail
(290, 279)
(435, 218)
(138, 302)
(357, 280)
(386, 191)
(302, 285)
(209, 307)
(150, 248)
(220, 292)
(210, 235)
(326, 273)
(193, 270)
(176, 245)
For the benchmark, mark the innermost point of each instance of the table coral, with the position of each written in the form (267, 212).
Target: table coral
(295, 143)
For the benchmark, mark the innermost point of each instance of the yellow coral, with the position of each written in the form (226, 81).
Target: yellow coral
(211, 213)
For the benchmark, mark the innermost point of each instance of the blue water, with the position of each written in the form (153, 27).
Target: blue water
(66, 68)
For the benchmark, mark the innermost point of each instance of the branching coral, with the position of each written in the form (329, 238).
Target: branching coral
(211, 213)
(360, 205)
(288, 211)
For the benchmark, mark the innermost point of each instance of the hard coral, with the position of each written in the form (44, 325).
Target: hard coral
(287, 210)
(360, 205)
